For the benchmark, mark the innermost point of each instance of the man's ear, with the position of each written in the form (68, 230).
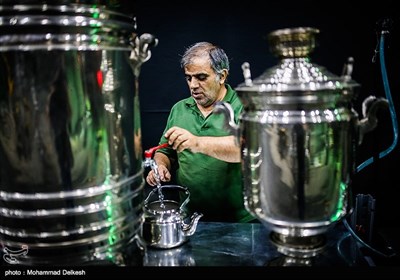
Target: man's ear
(222, 76)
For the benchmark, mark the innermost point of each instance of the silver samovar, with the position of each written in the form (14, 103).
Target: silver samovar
(71, 167)
(298, 133)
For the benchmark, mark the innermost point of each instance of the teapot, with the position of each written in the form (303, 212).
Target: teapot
(166, 223)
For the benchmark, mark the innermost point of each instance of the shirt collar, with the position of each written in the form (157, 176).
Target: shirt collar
(190, 102)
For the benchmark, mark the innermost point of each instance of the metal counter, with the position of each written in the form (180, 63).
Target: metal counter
(248, 244)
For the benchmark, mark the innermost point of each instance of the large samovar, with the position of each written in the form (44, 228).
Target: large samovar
(71, 167)
(298, 134)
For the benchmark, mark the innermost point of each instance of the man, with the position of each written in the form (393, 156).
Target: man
(208, 157)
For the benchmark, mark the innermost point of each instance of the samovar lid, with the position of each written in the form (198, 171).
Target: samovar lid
(295, 73)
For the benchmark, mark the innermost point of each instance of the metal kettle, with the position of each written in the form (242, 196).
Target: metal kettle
(167, 226)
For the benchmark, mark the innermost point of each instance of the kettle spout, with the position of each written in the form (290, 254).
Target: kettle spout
(230, 125)
(189, 229)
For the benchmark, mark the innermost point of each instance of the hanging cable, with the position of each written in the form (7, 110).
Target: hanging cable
(384, 32)
(348, 227)
(389, 99)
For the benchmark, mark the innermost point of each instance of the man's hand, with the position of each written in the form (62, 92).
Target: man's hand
(165, 175)
(221, 147)
(180, 139)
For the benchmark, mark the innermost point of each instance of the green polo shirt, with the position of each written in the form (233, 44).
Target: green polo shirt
(215, 186)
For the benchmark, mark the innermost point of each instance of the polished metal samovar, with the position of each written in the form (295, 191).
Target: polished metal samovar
(71, 172)
(298, 134)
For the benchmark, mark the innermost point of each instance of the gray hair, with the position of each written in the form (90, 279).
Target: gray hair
(218, 58)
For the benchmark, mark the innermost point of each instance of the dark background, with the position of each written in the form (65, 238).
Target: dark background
(346, 29)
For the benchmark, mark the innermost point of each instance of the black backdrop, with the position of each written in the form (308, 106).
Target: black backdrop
(346, 29)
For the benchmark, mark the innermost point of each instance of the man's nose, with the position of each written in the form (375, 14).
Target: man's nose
(194, 83)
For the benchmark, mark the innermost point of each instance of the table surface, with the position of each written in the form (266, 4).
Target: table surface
(248, 244)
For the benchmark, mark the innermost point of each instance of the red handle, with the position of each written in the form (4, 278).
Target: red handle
(149, 153)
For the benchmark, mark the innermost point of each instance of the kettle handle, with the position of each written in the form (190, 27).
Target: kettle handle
(185, 189)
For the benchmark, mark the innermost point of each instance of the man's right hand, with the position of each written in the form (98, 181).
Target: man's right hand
(165, 175)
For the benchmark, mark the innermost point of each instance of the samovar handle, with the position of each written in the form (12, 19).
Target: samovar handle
(370, 107)
(230, 125)
(140, 50)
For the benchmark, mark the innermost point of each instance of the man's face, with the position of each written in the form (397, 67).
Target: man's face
(204, 84)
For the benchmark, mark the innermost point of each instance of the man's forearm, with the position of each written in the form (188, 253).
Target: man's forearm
(223, 148)
(162, 159)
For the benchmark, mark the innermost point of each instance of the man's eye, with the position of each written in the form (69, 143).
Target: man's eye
(188, 78)
(201, 77)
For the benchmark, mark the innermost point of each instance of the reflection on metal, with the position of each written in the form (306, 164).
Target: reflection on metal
(300, 116)
(168, 225)
(171, 257)
(71, 174)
